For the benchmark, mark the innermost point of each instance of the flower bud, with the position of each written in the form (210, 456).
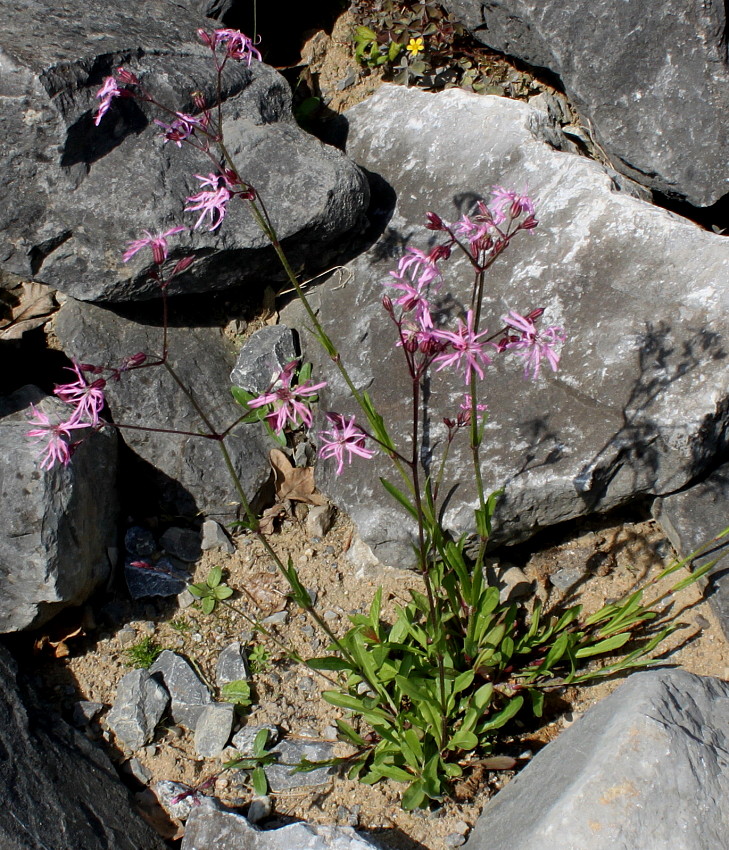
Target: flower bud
(206, 38)
(182, 265)
(440, 252)
(387, 304)
(435, 222)
(198, 98)
(127, 77)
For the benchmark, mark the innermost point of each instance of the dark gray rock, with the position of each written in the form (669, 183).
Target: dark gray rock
(189, 694)
(651, 79)
(195, 476)
(57, 789)
(639, 404)
(74, 195)
(155, 578)
(232, 665)
(183, 543)
(691, 519)
(262, 358)
(208, 829)
(139, 705)
(281, 777)
(139, 542)
(646, 767)
(56, 526)
(213, 728)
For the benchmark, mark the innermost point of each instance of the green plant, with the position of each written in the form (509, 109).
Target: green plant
(238, 693)
(143, 653)
(255, 762)
(259, 659)
(181, 625)
(211, 591)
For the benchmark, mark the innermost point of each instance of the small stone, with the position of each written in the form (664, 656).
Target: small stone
(155, 578)
(564, 579)
(126, 636)
(185, 599)
(232, 665)
(139, 542)
(138, 707)
(263, 357)
(319, 520)
(454, 839)
(461, 827)
(280, 776)
(180, 800)
(189, 694)
(139, 771)
(513, 583)
(349, 80)
(243, 740)
(307, 684)
(214, 537)
(183, 543)
(278, 619)
(260, 808)
(330, 615)
(330, 733)
(213, 729)
(85, 711)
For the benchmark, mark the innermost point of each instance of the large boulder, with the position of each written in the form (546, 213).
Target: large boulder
(651, 79)
(646, 767)
(58, 789)
(74, 194)
(194, 476)
(57, 526)
(639, 404)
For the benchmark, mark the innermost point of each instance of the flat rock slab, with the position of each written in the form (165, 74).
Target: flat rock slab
(57, 525)
(208, 829)
(189, 695)
(646, 767)
(73, 194)
(194, 477)
(639, 404)
(139, 705)
(692, 518)
(58, 790)
(651, 77)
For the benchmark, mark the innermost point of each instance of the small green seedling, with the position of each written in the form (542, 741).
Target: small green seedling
(181, 625)
(255, 763)
(211, 591)
(259, 659)
(237, 692)
(143, 653)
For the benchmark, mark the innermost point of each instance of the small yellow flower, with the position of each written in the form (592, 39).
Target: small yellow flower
(415, 46)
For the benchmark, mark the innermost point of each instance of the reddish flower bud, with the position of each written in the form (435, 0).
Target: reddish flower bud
(206, 39)
(387, 304)
(529, 223)
(435, 222)
(127, 77)
(440, 252)
(198, 98)
(136, 359)
(89, 367)
(182, 265)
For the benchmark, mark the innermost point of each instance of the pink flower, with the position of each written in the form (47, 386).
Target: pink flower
(180, 129)
(466, 348)
(415, 272)
(289, 404)
(507, 202)
(88, 399)
(213, 202)
(418, 266)
(109, 90)
(56, 436)
(344, 436)
(533, 344)
(158, 244)
(237, 45)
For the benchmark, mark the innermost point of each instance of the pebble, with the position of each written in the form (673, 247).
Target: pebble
(461, 827)
(454, 839)
(139, 771)
(260, 808)
(307, 684)
(331, 615)
(278, 619)
(330, 733)
(126, 636)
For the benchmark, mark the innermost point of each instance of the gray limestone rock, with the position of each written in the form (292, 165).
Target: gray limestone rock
(232, 665)
(262, 357)
(74, 194)
(58, 790)
(192, 472)
(213, 728)
(651, 79)
(57, 525)
(692, 518)
(207, 829)
(646, 767)
(139, 705)
(214, 537)
(189, 694)
(244, 738)
(639, 403)
(281, 776)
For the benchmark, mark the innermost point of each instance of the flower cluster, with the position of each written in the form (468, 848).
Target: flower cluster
(289, 404)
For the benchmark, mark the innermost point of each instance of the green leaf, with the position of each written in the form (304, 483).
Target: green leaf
(223, 591)
(463, 740)
(214, 577)
(537, 698)
(414, 796)
(199, 590)
(503, 716)
(328, 662)
(391, 771)
(237, 692)
(260, 742)
(208, 605)
(348, 732)
(606, 645)
(260, 783)
(400, 497)
(354, 704)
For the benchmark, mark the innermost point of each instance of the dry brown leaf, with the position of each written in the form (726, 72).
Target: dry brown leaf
(293, 483)
(262, 588)
(57, 648)
(34, 304)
